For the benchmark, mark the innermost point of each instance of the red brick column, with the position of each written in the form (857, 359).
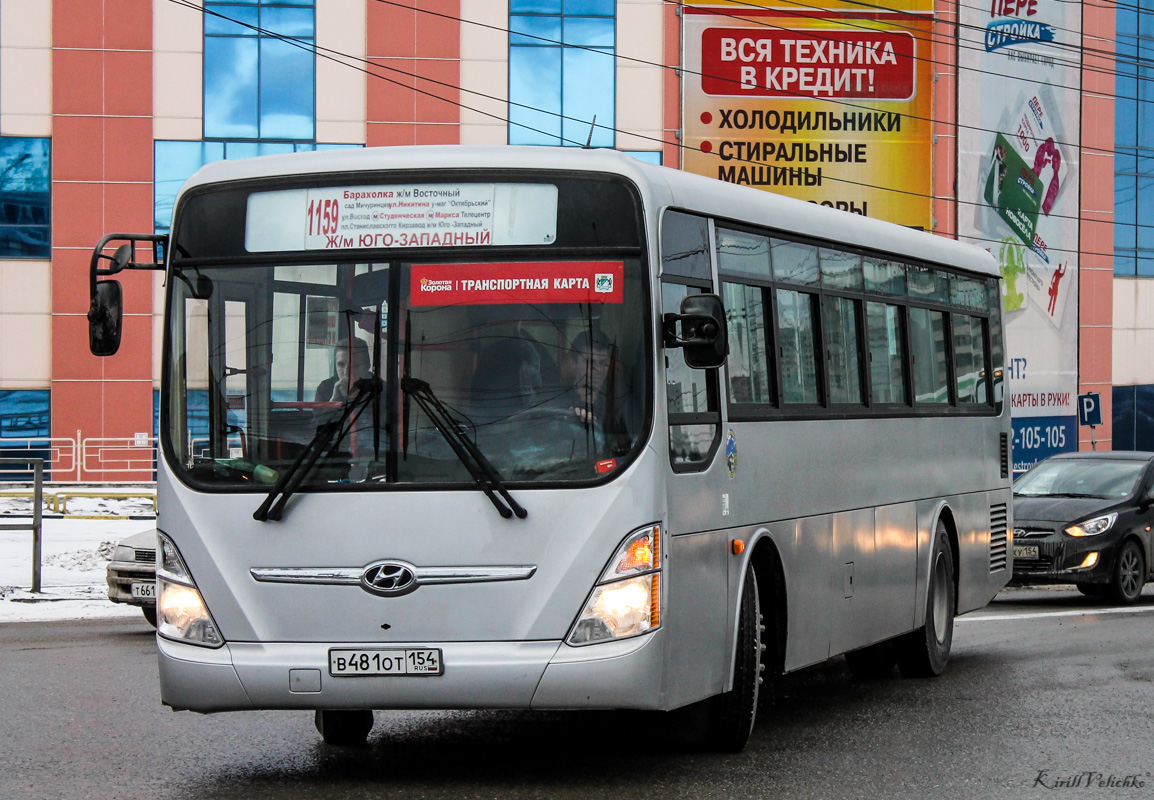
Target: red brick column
(405, 46)
(1096, 227)
(671, 88)
(101, 183)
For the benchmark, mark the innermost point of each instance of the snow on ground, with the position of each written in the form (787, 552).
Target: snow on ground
(75, 553)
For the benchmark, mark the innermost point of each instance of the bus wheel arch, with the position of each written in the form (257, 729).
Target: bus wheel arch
(729, 717)
(946, 518)
(770, 572)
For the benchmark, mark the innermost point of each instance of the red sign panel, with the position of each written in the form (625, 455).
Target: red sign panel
(740, 62)
(519, 282)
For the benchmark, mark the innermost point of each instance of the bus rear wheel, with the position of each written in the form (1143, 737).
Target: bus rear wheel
(923, 653)
(730, 716)
(345, 728)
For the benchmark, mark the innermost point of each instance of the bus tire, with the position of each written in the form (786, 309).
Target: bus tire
(730, 715)
(923, 653)
(344, 728)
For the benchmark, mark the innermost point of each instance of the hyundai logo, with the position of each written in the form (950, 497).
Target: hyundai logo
(389, 578)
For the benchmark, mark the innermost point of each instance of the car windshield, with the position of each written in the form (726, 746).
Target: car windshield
(1090, 477)
(541, 365)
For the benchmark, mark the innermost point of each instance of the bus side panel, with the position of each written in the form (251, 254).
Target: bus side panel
(806, 548)
(852, 550)
(872, 578)
(977, 583)
(891, 595)
(697, 611)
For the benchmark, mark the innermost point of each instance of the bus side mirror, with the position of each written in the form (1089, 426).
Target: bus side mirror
(104, 315)
(704, 335)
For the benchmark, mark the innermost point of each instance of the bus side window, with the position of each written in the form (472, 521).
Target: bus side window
(969, 358)
(930, 352)
(886, 354)
(749, 368)
(842, 340)
(798, 338)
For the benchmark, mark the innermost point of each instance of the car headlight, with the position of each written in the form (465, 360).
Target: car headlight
(124, 553)
(180, 610)
(1092, 527)
(627, 599)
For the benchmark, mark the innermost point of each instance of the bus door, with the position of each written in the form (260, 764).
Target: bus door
(698, 582)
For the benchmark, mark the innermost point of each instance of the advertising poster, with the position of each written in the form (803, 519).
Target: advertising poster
(1019, 105)
(828, 102)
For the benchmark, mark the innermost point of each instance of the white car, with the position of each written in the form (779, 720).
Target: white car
(132, 573)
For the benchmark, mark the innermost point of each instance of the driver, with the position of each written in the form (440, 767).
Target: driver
(584, 373)
(596, 392)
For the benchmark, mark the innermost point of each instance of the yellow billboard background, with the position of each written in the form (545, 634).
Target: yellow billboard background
(879, 165)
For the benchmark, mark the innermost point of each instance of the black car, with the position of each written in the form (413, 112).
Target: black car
(1085, 518)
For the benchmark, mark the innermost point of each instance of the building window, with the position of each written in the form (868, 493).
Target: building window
(25, 198)
(25, 414)
(175, 161)
(1134, 142)
(256, 85)
(562, 72)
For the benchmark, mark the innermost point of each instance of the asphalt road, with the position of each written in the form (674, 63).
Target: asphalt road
(1043, 687)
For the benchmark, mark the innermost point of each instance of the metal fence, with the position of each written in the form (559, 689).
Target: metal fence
(77, 460)
(37, 467)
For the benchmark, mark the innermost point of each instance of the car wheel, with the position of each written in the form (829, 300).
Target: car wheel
(345, 728)
(1129, 574)
(730, 716)
(149, 614)
(1093, 589)
(923, 653)
(872, 663)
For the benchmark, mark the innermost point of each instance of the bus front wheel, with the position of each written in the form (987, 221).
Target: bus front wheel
(346, 728)
(923, 653)
(731, 715)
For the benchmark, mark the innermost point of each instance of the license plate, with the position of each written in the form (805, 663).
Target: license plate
(397, 661)
(1025, 551)
(145, 591)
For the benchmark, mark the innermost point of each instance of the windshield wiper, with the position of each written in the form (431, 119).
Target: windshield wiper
(484, 474)
(363, 391)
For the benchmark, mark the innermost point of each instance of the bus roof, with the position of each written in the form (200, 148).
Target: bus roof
(671, 187)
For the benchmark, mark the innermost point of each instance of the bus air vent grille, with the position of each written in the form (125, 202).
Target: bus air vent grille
(998, 537)
(1004, 442)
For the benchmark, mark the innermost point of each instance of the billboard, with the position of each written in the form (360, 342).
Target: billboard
(1018, 197)
(829, 102)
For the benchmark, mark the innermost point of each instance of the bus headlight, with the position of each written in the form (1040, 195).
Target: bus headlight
(624, 602)
(180, 610)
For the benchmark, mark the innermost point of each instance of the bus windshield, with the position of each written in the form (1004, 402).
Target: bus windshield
(539, 365)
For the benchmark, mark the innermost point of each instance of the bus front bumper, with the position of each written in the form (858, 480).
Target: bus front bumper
(540, 675)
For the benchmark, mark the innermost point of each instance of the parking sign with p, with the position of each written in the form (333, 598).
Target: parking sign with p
(1090, 409)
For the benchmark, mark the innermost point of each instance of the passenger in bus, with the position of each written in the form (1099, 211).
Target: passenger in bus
(336, 388)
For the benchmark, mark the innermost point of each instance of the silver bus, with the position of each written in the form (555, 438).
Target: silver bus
(543, 428)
